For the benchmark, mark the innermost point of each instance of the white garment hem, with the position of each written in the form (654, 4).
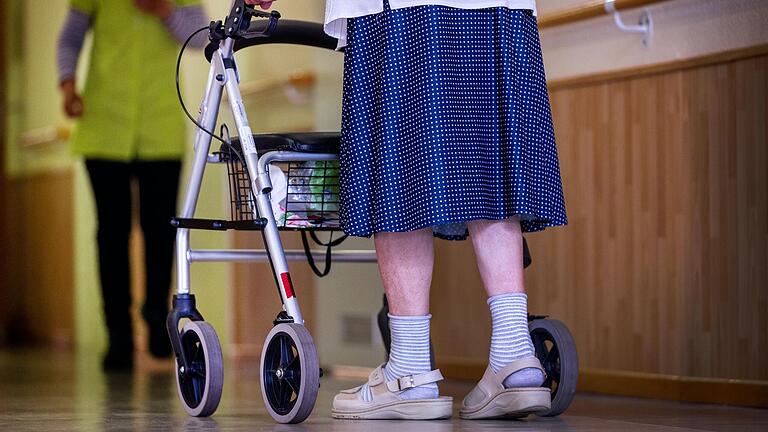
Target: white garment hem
(336, 18)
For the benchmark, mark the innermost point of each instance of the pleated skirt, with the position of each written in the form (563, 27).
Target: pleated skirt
(446, 119)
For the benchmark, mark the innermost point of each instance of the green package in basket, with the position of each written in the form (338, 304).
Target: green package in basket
(324, 185)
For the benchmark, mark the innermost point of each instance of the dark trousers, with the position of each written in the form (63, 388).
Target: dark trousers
(158, 183)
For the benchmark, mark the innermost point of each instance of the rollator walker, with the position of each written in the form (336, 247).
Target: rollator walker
(305, 163)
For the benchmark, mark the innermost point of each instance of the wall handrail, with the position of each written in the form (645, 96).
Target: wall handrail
(587, 10)
(61, 132)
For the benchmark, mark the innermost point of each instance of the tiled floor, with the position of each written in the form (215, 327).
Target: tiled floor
(57, 391)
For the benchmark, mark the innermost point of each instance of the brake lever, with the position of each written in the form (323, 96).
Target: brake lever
(273, 16)
(238, 23)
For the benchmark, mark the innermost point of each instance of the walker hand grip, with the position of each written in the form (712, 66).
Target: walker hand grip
(262, 28)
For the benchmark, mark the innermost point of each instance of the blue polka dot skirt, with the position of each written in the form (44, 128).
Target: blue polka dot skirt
(446, 119)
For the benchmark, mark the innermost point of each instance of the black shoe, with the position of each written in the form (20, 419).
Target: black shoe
(118, 361)
(159, 343)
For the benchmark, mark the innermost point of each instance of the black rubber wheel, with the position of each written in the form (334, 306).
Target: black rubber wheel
(556, 350)
(200, 387)
(290, 373)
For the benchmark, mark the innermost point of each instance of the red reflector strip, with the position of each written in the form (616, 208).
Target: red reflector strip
(287, 285)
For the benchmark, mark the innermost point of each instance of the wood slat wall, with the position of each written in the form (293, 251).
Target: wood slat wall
(663, 267)
(5, 281)
(40, 302)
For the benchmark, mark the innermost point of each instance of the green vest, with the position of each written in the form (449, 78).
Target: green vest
(130, 106)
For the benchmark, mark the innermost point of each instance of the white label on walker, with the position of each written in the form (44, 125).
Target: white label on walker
(246, 140)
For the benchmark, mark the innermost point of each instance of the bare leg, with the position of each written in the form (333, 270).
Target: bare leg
(499, 250)
(405, 263)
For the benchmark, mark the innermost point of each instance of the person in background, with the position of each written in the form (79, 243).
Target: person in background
(447, 132)
(130, 129)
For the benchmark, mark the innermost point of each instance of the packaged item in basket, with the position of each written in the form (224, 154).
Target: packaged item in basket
(313, 194)
(324, 185)
(299, 192)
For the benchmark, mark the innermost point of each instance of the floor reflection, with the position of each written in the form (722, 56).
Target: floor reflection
(59, 391)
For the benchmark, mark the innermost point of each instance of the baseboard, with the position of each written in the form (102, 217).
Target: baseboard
(751, 393)
(242, 351)
(645, 385)
(675, 387)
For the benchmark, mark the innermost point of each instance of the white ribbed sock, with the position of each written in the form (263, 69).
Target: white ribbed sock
(408, 355)
(510, 339)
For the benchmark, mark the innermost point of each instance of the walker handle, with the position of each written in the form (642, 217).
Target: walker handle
(237, 25)
(291, 32)
(261, 28)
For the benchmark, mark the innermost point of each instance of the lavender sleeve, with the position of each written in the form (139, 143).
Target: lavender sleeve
(184, 21)
(71, 42)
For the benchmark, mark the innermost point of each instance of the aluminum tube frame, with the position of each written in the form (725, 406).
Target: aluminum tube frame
(209, 111)
(260, 255)
(271, 234)
(223, 75)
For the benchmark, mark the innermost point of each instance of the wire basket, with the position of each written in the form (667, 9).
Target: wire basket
(305, 195)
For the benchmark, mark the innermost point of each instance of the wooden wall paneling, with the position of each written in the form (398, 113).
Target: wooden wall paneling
(673, 387)
(43, 307)
(659, 68)
(5, 254)
(663, 267)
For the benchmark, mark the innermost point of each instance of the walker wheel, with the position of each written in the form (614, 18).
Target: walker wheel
(290, 373)
(200, 387)
(556, 350)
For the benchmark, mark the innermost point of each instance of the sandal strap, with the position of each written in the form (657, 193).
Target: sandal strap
(410, 381)
(519, 364)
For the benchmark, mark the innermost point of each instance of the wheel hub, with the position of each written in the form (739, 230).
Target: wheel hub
(280, 373)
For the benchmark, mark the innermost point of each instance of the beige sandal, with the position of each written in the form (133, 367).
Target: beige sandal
(386, 404)
(489, 399)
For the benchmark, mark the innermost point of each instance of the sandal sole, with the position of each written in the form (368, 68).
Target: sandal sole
(512, 403)
(429, 409)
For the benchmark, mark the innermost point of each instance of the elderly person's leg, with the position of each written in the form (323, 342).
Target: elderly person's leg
(405, 388)
(499, 251)
(405, 263)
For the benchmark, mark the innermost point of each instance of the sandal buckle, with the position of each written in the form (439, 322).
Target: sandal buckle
(409, 384)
